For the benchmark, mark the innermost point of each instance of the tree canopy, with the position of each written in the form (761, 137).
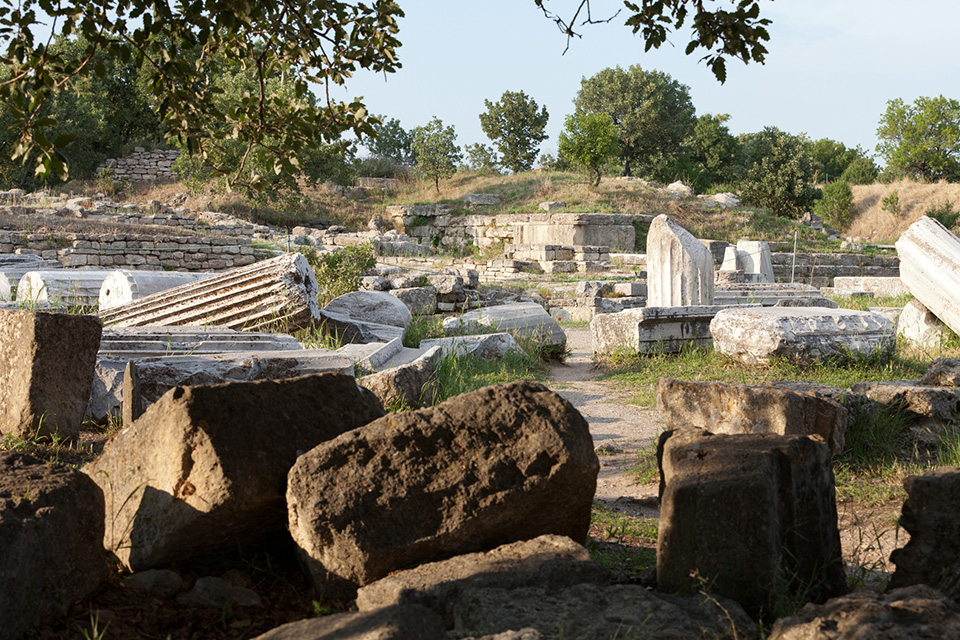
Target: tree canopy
(436, 150)
(921, 140)
(653, 113)
(589, 140)
(515, 124)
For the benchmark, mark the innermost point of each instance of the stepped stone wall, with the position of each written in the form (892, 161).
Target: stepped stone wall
(819, 269)
(143, 165)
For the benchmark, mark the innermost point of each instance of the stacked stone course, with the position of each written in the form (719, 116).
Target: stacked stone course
(143, 165)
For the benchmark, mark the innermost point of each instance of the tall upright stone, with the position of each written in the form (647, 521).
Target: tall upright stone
(755, 260)
(930, 268)
(679, 267)
(46, 370)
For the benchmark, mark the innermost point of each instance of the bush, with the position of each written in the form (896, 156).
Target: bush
(339, 272)
(779, 173)
(860, 171)
(944, 213)
(836, 206)
(891, 204)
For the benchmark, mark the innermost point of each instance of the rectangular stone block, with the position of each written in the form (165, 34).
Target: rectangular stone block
(652, 329)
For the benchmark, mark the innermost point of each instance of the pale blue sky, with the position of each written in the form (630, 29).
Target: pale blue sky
(831, 67)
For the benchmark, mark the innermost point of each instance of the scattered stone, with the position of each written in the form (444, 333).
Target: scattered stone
(943, 372)
(161, 582)
(679, 187)
(501, 464)
(131, 343)
(679, 267)
(46, 371)
(51, 534)
(725, 200)
(216, 592)
(548, 561)
(756, 335)
(753, 516)
(940, 403)
(491, 346)
(366, 316)
(878, 285)
(421, 301)
(592, 289)
(391, 623)
(552, 206)
(899, 614)
(374, 283)
(929, 268)
(521, 320)
(778, 294)
(932, 555)
(408, 386)
(447, 284)
(739, 408)
(919, 327)
(203, 470)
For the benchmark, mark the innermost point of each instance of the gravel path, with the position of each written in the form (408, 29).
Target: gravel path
(619, 429)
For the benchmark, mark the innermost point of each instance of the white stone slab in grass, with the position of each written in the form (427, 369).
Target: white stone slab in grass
(758, 335)
(522, 319)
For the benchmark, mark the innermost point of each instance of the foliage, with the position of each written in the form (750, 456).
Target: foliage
(179, 50)
(779, 172)
(831, 158)
(391, 141)
(436, 151)
(944, 213)
(482, 158)
(339, 272)
(516, 127)
(921, 141)
(652, 113)
(739, 33)
(861, 171)
(836, 206)
(714, 149)
(589, 140)
(891, 203)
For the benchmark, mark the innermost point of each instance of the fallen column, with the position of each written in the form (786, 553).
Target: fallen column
(123, 286)
(930, 268)
(14, 266)
(281, 292)
(68, 287)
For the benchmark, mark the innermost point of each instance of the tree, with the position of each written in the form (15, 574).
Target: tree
(515, 125)
(714, 148)
(589, 140)
(391, 141)
(831, 158)
(437, 151)
(922, 140)
(652, 112)
(836, 206)
(779, 174)
(323, 43)
(482, 158)
(860, 171)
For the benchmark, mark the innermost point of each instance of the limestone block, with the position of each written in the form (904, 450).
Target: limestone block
(755, 260)
(878, 285)
(932, 555)
(738, 408)
(779, 294)
(920, 328)
(408, 386)
(652, 329)
(497, 465)
(522, 319)
(731, 260)
(46, 369)
(752, 515)
(69, 287)
(421, 301)
(629, 289)
(482, 199)
(486, 347)
(930, 268)
(755, 335)
(940, 403)
(679, 267)
(123, 286)
(203, 469)
(551, 206)
(679, 187)
(51, 534)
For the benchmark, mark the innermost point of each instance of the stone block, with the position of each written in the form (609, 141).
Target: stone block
(51, 534)
(752, 516)
(46, 370)
(679, 267)
(521, 320)
(755, 335)
(390, 623)
(551, 206)
(738, 409)
(203, 470)
(921, 329)
(486, 347)
(890, 286)
(652, 329)
(487, 199)
(930, 268)
(755, 260)
(421, 301)
(940, 403)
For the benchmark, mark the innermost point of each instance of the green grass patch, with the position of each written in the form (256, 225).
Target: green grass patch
(863, 303)
(462, 374)
(619, 527)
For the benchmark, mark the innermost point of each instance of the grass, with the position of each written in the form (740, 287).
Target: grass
(916, 198)
(624, 544)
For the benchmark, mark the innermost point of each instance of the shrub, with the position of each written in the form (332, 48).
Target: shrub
(891, 204)
(779, 174)
(860, 171)
(944, 213)
(836, 206)
(339, 272)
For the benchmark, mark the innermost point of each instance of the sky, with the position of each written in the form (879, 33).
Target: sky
(830, 69)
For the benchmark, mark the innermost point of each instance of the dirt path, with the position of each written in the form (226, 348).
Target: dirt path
(619, 429)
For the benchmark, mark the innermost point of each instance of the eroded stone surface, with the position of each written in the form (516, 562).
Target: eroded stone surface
(679, 267)
(930, 268)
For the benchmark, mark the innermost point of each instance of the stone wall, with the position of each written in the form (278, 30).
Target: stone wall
(143, 165)
(819, 269)
(131, 251)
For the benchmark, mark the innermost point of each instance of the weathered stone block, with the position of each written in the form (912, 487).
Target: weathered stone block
(679, 267)
(738, 409)
(940, 403)
(930, 268)
(422, 301)
(204, 469)
(652, 329)
(46, 370)
(920, 328)
(753, 516)
(523, 319)
(391, 623)
(501, 464)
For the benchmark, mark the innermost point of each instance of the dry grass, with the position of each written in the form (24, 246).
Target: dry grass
(873, 224)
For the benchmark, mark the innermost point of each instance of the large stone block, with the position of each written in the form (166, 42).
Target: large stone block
(919, 327)
(652, 329)
(521, 320)
(501, 464)
(366, 316)
(930, 268)
(51, 537)
(752, 516)
(755, 260)
(390, 623)
(679, 267)
(739, 408)
(940, 403)
(204, 469)
(46, 371)
(932, 556)
(808, 334)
